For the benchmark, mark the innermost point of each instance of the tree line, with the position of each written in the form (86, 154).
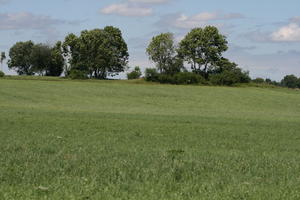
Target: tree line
(102, 53)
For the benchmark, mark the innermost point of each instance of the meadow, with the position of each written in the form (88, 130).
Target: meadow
(62, 139)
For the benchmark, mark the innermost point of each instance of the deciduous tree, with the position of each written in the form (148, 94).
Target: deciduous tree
(20, 59)
(162, 51)
(203, 48)
(99, 52)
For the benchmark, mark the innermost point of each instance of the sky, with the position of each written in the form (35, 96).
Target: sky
(263, 35)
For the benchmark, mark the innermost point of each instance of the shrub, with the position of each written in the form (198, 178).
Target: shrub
(135, 74)
(230, 77)
(258, 80)
(77, 74)
(290, 81)
(151, 75)
(188, 78)
(166, 78)
(2, 74)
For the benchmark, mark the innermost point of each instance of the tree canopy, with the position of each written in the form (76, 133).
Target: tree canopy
(162, 51)
(203, 48)
(98, 52)
(27, 58)
(20, 59)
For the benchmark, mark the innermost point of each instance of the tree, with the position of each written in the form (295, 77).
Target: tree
(258, 80)
(135, 74)
(99, 52)
(2, 58)
(20, 59)
(57, 61)
(290, 81)
(162, 51)
(203, 48)
(40, 58)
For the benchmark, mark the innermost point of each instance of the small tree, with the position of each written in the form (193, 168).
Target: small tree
(162, 51)
(203, 48)
(2, 58)
(258, 80)
(20, 59)
(290, 81)
(135, 74)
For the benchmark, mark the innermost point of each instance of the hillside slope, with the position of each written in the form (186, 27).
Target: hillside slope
(114, 140)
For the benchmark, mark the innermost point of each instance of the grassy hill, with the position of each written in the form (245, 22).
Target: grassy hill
(117, 140)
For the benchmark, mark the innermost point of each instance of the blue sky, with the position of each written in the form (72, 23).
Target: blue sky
(264, 35)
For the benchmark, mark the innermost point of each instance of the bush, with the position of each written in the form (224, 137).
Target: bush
(258, 80)
(151, 75)
(166, 78)
(290, 81)
(2, 74)
(135, 74)
(188, 78)
(230, 77)
(77, 74)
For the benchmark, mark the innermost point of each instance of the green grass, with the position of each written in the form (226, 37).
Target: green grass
(122, 140)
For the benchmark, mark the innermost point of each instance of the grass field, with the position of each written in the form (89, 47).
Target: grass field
(118, 140)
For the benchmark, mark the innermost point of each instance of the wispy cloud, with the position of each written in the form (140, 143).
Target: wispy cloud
(288, 33)
(285, 32)
(132, 8)
(126, 9)
(201, 19)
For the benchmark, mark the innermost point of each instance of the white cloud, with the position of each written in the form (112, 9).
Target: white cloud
(125, 9)
(288, 33)
(26, 20)
(200, 19)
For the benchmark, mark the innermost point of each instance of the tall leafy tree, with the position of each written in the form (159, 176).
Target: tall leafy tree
(98, 52)
(40, 58)
(20, 59)
(57, 61)
(2, 58)
(203, 48)
(47, 60)
(162, 51)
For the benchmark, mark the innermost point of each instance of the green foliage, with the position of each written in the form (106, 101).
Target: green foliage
(135, 74)
(181, 78)
(228, 73)
(2, 74)
(151, 75)
(100, 52)
(162, 51)
(188, 78)
(40, 58)
(77, 74)
(28, 58)
(258, 80)
(2, 57)
(270, 82)
(203, 48)
(224, 78)
(166, 79)
(290, 81)
(115, 140)
(57, 61)
(20, 59)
